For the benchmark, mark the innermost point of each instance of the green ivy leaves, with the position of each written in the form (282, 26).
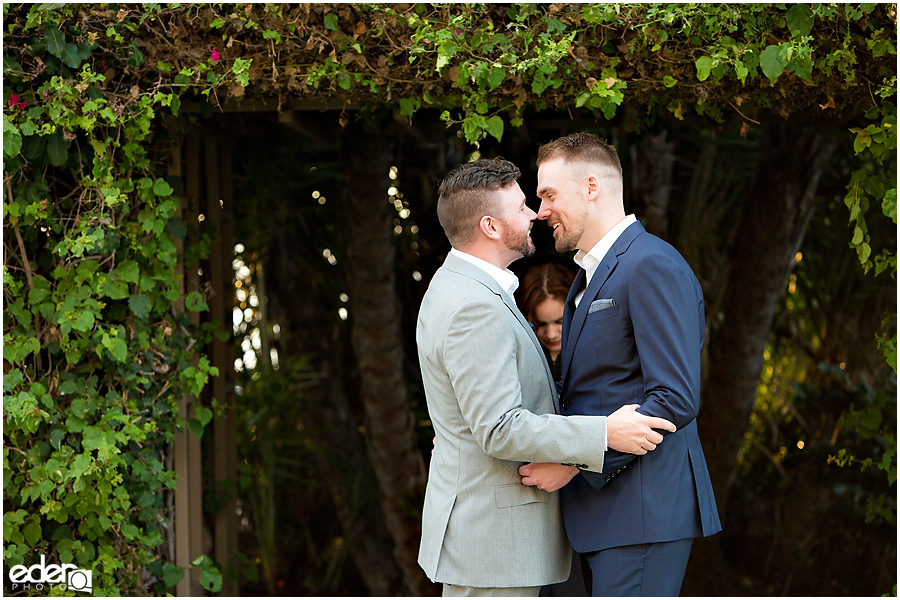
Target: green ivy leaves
(140, 305)
(95, 370)
(116, 346)
(879, 143)
(71, 55)
(774, 60)
(12, 139)
(241, 70)
(723, 43)
(475, 125)
(704, 66)
(605, 95)
(868, 185)
(771, 62)
(24, 408)
(483, 60)
(210, 578)
(800, 20)
(57, 149)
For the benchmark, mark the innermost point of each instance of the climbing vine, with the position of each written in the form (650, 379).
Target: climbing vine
(95, 354)
(98, 346)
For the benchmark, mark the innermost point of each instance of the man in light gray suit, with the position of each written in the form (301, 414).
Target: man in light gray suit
(493, 404)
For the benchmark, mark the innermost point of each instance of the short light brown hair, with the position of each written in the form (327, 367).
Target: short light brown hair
(465, 196)
(581, 147)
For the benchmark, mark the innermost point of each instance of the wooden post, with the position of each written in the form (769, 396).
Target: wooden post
(174, 169)
(188, 468)
(219, 210)
(181, 522)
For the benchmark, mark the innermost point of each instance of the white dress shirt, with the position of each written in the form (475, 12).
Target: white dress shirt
(589, 261)
(505, 278)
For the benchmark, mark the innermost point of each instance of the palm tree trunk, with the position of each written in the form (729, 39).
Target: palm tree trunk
(652, 160)
(375, 315)
(332, 422)
(777, 209)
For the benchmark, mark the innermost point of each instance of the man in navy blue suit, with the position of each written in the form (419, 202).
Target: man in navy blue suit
(633, 330)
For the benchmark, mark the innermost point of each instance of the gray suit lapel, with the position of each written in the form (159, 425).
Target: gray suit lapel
(463, 267)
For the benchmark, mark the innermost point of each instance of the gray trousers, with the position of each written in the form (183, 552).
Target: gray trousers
(459, 591)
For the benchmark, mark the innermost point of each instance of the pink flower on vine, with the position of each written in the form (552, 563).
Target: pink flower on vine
(14, 101)
(215, 55)
(458, 31)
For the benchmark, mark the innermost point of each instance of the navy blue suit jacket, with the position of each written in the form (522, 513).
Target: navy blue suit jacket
(635, 338)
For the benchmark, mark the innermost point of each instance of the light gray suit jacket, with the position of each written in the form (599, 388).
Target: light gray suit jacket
(492, 403)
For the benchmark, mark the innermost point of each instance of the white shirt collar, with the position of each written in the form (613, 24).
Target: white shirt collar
(589, 261)
(505, 278)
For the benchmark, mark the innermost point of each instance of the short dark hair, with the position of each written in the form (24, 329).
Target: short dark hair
(465, 197)
(585, 147)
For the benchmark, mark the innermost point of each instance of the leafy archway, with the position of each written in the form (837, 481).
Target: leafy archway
(94, 362)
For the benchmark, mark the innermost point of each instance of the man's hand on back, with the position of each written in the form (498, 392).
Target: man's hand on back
(547, 476)
(630, 431)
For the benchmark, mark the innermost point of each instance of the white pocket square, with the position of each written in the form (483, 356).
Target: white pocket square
(601, 304)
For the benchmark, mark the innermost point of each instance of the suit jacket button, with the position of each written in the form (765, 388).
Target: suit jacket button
(564, 404)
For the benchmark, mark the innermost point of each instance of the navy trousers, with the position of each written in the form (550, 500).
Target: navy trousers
(640, 570)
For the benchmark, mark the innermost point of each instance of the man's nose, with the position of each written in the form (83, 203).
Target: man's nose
(531, 214)
(543, 212)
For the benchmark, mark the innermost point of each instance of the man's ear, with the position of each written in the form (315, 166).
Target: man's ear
(592, 187)
(488, 227)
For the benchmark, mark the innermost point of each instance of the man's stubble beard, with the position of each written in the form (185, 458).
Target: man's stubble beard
(522, 244)
(567, 241)
(570, 238)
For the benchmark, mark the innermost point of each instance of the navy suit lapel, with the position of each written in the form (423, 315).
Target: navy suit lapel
(568, 311)
(600, 276)
(573, 325)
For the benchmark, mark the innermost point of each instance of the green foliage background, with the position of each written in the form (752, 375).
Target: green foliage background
(98, 346)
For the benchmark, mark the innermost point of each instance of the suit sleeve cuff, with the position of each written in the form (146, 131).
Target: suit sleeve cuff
(596, 480)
